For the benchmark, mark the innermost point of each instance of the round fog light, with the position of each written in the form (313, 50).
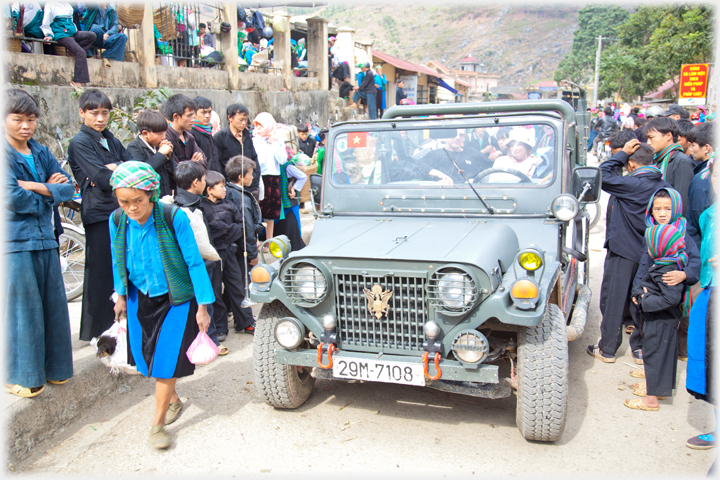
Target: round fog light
(289, 334)
(470, 346)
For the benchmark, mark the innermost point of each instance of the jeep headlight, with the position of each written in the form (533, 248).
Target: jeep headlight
(470, 346)
(565, 207)
(305, 284)
(289, 333)
(530, 261)
(452, 290)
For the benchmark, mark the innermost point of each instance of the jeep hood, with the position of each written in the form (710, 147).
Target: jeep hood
(439, 241)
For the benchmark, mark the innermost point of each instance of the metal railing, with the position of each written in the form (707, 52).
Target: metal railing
(179, 43)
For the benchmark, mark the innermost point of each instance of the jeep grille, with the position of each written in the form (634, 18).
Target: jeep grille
(401, 328)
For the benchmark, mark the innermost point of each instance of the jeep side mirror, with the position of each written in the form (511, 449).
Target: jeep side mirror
(586, 184)
(316, 191)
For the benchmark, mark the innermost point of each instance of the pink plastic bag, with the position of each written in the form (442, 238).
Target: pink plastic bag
(202, 350)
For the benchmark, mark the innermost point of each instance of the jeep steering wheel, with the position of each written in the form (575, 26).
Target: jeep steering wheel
(517, 173)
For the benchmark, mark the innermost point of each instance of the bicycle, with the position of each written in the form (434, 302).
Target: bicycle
(71, 243)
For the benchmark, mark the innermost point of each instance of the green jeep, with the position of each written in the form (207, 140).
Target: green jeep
(450, 245)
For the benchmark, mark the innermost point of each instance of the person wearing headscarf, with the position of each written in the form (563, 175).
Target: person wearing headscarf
(659, 304)
(665, 208)
(162, 286)
(271, 155)
(381, 85)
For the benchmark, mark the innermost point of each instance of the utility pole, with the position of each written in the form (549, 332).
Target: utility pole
(597, 71)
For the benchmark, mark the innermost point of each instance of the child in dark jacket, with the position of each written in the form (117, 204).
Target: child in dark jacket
(659, 304)
(239, 170)
(151, 147)
(665, 207)
(226, 229)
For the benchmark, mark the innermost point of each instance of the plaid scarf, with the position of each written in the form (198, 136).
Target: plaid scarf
(706, 171)
(677, 220)
(140, 175)
(666, 245)
(645, 171)
(663, 157)
(201, 127)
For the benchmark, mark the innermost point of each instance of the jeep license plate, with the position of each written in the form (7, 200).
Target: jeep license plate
(379, 371)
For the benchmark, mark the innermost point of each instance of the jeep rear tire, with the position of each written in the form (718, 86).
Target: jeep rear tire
(543, 378)
(279, 385)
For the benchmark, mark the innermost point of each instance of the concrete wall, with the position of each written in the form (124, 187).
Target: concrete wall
(59, 108)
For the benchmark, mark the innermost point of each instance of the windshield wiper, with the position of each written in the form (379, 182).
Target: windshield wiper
(488, 207)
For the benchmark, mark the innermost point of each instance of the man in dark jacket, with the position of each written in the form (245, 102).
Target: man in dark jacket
(623, 238)
(93, 155)
(345, 89)
(202, 131)
(370, 90)
(236, 140)
(676, 167)
(399, 93)
(179, 110)
(700, 192)
(151, 147)
(605, 127)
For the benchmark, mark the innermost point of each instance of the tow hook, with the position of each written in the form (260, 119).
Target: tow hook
(328, 340)
(437, 365)
(432, 347)
(330, 349)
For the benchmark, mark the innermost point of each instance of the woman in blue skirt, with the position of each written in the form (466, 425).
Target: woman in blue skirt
(162, 285)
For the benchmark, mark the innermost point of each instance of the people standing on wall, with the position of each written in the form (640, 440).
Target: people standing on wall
(94, 154)
(368, 88)
(58, 25)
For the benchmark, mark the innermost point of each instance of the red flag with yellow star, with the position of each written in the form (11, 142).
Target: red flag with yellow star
(357, 139)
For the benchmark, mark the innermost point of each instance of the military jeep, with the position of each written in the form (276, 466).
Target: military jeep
(450, 245)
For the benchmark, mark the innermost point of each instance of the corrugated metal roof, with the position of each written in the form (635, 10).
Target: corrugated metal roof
(404, 64)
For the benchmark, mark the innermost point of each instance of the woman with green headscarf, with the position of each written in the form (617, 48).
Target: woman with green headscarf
(162, 286)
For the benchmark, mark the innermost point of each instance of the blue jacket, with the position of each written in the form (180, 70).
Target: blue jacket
(626, 227)
(29, 214)
(108, 23)
(700, 196)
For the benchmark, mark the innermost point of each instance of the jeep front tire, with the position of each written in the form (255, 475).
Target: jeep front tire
(543, 366)
(279, 385)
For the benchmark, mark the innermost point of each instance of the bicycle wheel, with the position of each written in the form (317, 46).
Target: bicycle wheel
(72, 263)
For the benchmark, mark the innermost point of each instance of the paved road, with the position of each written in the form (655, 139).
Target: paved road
(379, 428)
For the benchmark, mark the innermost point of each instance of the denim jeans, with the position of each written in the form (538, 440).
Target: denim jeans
(37, 324)
(114, 46)
(372, 106)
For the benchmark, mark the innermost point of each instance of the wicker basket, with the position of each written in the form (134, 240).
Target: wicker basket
(279, 24)
(166, 23)
(14, 44)
(130, 15)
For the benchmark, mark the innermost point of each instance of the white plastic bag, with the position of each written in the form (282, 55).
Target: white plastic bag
(202, 350)
(207, 251)
(118, 360)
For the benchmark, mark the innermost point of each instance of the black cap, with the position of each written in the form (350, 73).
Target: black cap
(675, 109)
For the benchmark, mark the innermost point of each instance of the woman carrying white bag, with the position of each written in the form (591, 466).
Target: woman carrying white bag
(162, 285)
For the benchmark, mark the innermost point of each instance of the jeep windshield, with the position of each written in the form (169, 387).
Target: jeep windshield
(413, 155)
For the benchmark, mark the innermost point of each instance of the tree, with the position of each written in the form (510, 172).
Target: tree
(593, 21)
(652, 45)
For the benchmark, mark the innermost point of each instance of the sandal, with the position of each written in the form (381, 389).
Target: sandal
(642, 392)
(58, 382)
(638, 404)
(629, 329)
(638, 373)
(223, 350)
(24, 392)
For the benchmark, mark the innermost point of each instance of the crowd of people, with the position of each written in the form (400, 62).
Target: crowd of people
(658, 282)
(140, 244)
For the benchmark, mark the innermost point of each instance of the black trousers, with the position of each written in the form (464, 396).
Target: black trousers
(98, 311)
(234, 281)
(78, 45)
(660, 356)
(618, 274)
(219, 316)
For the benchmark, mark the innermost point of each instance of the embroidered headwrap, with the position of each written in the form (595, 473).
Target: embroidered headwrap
(265, 126)
(138, 175)
(666, 245)
(645, 170)
(677, 220)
